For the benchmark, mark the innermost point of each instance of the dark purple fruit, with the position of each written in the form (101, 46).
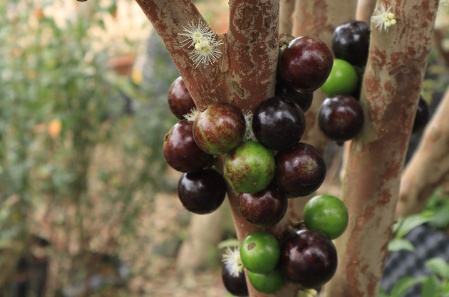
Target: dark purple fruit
(308, 258)
(358, 88)
(350, 42)
(265, 208)
(340, 118)
(181, 151)
(202, 191)
(235, 285)
(306, 63)
(303, 99)
(219, 129)
(422, 115)
(179, 99)
(299, 171)
(278, 123)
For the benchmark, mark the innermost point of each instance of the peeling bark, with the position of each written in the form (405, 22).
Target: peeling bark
(370, 189)
(429, 166)
(365, 10)
(286, 16)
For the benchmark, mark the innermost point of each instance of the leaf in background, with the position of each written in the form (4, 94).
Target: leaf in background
(404, 284)
(431, 287)
(411, 222)
(397, 244)
(382, 293)
(439, 266)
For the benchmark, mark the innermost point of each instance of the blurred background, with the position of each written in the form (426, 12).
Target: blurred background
(88, 206)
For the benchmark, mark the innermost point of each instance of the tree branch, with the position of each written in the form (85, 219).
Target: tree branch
(390, 93)
(206, 85)
(365, 10)
(429, 166)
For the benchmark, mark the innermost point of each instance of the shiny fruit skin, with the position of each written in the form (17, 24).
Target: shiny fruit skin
(306, 63)
(340, 118)
(303, 99)
(179, 99)
(422, 115)
(308, 258)
(202, 191)
(219, 129)
(342, 79)
(260, 252)
(268, 283)
(300, 171)
(235, 285)
(265, 208)
(278, 123)
(249, 168)
(181, 151)
(350, 42)
(327, 214)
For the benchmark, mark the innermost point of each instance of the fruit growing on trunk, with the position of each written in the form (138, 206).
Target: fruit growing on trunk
(268, 283)
(278, 123)
(260, 252)
(249, 168)
(303, 99)
(179, 99)
(308, 258)
(422, 115)
(306, 63)
(181, 151)
(219, 129)
(350, 42)
(236, 285)
(342, 79)
(202, 191)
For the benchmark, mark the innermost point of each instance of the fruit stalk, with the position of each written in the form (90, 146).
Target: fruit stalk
(370, 189)
(429, 166)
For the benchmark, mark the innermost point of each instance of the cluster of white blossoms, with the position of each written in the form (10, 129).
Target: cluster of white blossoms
(202, 39)
(383, 18)
(232, 258)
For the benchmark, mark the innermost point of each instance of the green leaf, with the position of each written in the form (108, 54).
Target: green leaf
(382, 293)
(404, 284)
(233, 242)
(411, 222)
(397, 244)
(439, 266)
(431, 287)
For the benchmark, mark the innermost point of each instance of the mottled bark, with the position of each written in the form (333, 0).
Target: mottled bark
(286, 16)
(370, 189)
(317, 18)
(429, 166)
(365, 10)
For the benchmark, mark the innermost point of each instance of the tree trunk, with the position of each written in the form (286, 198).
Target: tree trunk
(390, 92)
(429, 166)
(365, 10)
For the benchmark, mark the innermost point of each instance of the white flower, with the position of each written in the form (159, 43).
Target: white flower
(383, 18)
(194, 112)
(232, 258)
(204, 43)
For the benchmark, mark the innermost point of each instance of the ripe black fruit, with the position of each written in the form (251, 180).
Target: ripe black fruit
(422, 115)
(235, 285)
(303, 99)
(350, 42)
(278, 123)
(203, 191)
(179, 99)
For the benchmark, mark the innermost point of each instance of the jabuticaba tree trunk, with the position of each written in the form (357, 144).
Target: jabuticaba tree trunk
(317, 18)
(370, 189)
(365, 9)
(429, 166)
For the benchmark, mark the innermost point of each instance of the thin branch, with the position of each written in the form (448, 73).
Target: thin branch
(392, 83)
(168, 18)
(429, 166)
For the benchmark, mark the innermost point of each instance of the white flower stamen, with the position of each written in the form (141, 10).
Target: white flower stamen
(249, 133)
(383, 18)
(232, 258)
(194, 112)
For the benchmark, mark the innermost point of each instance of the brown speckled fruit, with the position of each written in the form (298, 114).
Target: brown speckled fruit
(219, 129)
(308, 258)
(306, 63)
(340, 118)
(179, 99)
(181, 151)
(265, 208)
(300, 171)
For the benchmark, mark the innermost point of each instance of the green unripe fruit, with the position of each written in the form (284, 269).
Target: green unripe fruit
(327, 214)
(342, 79)
(249, 168)
(260, 252)
(268, 283)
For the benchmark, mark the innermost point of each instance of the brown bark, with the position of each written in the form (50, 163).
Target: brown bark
(286, 16)
(317, 18)
(365, 10)
(390, 93)
(429, 166)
